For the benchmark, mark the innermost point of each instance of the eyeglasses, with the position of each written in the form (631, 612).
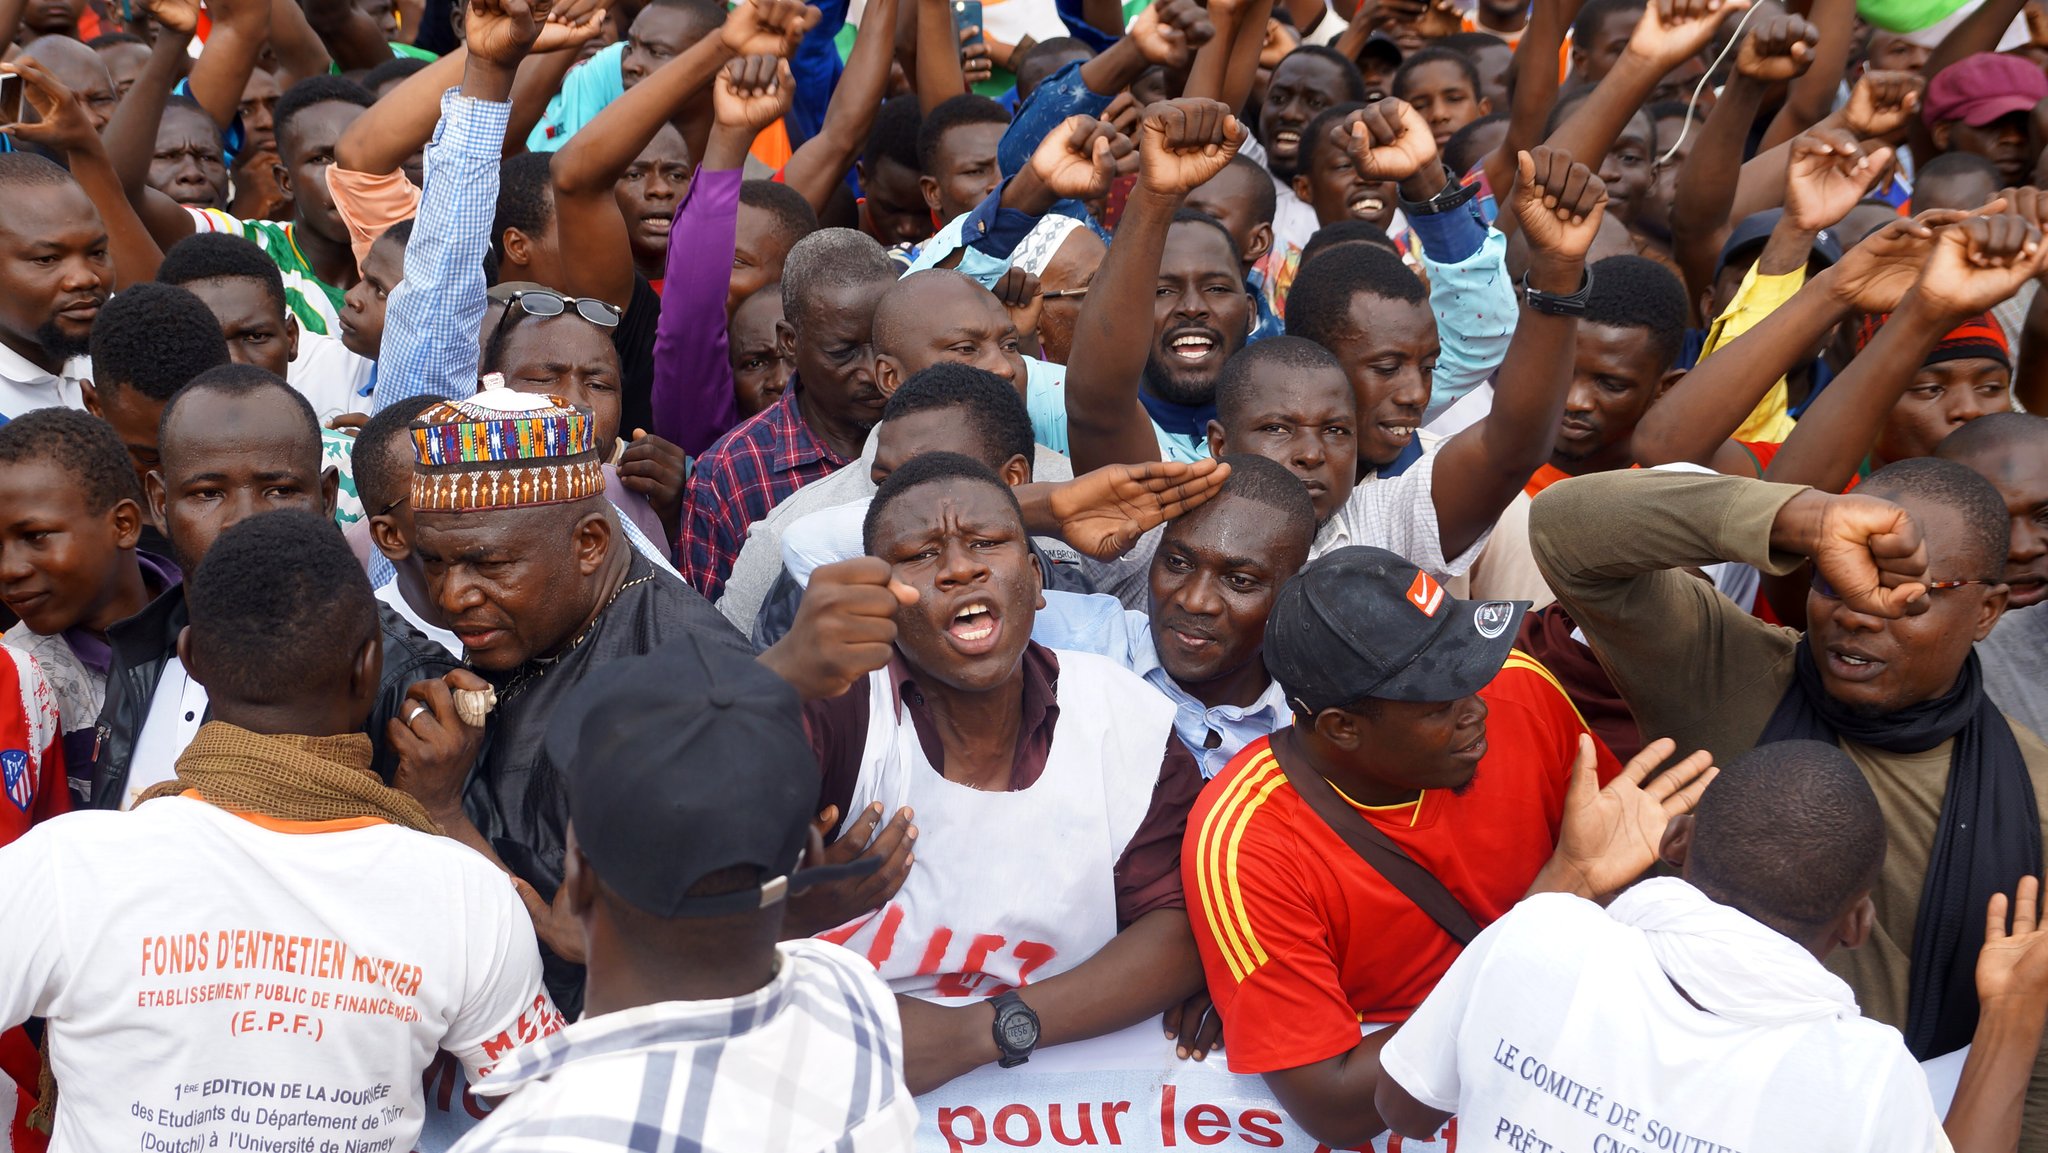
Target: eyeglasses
(1821, 585)
(544, 303)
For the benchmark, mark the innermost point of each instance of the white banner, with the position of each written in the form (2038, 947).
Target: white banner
(1127, 1091)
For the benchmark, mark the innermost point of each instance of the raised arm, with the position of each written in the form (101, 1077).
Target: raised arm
(1880, 107)
(350, 34)
(1980, 31)
(432, 319)
(939, 73)
(1777, 48)
(1693, 421)
(1669, 32)
(2012, 1007)
(818, 167)
(391, 130)
(240, 30)
(1559, 203)
(131, 135)
(65, 126)
(1976, 263)
(1812, 95)
(1535, 90)
(1181, 143)
(298, 49)
(693, 398)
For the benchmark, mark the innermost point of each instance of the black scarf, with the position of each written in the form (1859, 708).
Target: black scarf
(1987, 838)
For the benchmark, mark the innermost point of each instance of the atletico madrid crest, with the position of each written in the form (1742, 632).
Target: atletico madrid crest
(15, 775)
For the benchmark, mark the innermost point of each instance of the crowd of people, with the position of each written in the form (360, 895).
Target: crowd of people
(653, 552)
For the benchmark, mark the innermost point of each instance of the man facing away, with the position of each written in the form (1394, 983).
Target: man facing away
(700, 1029)
(297, 941)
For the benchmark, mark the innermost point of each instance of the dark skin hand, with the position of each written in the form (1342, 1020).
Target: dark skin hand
(659, 471)
(817, 167)
(1693, 421)
(845, 628)
(1560, 204)
(1534, 90)
(1148, 966)
(827, 906)
(1102, 513)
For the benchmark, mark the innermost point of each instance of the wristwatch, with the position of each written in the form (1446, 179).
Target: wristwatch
(1015, 1029)
(1451, 195)
(1557, 304)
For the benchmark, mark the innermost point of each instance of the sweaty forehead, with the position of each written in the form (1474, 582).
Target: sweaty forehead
(921, 309)
(935, 506)
(667, 147)
(1235, 527)
(567, 339)
(1196, 248)
(316, 127)
(1280, 390)
(42, 211)
(963, 143)
(79, 68)
(1308, 70)
(668, 27)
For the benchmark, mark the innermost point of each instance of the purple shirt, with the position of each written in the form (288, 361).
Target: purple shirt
(693, 388)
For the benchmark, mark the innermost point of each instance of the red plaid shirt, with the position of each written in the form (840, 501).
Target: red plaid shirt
(739, 479)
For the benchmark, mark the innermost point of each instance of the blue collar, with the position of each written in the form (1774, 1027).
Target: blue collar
(1408, 456)
(1190, 420)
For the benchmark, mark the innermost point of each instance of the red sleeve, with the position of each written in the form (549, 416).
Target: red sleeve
(1265, 943)
(1148, 874)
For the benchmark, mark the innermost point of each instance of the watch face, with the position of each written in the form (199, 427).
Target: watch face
(1019, 1031)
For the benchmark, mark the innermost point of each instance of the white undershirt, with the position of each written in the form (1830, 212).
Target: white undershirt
(176, 711)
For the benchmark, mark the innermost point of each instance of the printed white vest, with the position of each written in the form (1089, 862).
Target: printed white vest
(1012, 887)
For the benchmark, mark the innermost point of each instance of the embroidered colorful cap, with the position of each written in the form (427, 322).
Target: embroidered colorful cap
(503, 449)
(1362, 623)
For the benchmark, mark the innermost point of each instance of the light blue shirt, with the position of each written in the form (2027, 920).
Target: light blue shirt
(1096, 623)
(587, 90)
(1045, 398)
(1476, 307)
(431, 324)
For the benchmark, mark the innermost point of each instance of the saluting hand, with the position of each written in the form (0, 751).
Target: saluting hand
(1104, 512)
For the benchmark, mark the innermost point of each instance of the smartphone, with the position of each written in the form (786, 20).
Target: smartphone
(10, 98)
(967, 14)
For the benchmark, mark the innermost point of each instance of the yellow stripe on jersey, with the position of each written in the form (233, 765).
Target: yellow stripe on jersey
(1517, 659)
(1216, 864)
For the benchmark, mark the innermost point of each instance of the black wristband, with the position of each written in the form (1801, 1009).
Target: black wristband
(1559, 304)
(1454, 195)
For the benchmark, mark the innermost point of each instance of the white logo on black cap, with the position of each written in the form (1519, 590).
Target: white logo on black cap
(1492, 618)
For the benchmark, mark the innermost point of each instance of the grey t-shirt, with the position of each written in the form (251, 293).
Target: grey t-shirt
(2015, 658)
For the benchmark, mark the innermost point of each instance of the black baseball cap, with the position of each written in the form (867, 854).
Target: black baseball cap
(1363, 623)
(1754, 230)
(685, 762)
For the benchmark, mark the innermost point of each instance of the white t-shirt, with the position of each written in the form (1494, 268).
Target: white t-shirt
(1560, 1022)
(207, 974)
(329, 376)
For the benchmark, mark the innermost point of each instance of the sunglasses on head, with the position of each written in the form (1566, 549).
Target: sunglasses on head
(544, 303)
(1821, 586)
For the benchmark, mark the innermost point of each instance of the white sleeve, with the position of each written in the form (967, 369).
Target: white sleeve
(504, 1005)
(33, 967)
(1423, 1057)
(1399, 514)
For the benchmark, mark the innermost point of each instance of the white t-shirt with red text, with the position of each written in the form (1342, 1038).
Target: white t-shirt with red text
(208, 974)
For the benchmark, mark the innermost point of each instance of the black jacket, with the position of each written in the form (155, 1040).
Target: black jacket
(144, 643)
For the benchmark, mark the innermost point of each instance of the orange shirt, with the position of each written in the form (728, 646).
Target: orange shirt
(1301, 940)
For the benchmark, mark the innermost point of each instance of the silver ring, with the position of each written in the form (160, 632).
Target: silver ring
(417, 709)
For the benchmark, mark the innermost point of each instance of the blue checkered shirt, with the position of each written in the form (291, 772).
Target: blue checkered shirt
(811, 1061)
(431, 324)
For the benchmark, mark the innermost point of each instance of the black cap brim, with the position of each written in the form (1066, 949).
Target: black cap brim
(1463, 658)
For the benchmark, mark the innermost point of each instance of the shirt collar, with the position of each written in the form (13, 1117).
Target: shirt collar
(1145, 663)
(660, 1025)
(1190, 420)
(1041, 689)
(20, 371)
(795, 444)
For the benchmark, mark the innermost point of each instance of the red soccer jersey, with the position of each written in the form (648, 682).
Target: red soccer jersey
(32, 790)
(1302, 940)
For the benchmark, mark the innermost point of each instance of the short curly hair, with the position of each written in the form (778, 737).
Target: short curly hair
(82, 446)
(154, 338)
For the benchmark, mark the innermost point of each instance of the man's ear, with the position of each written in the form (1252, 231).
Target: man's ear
(283, 176)
(92, 398)
(518, 247)
(1677, 842)
(1217, 440)
(1854, 927)
(1262, 243)
(578, 878)
(1304, 189)
(291, 336)
(1941, 131)
(1670, 378)
(330, 488)
(888, 374)
(929, 187)
(1485, 109)
(1339, 728)
(1992, 608)
(785, 340)
(153, 490)
(366, 672)
(126, 518)
(1038, 575)
(1015, 471)
(592, 542)
(389, 541)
